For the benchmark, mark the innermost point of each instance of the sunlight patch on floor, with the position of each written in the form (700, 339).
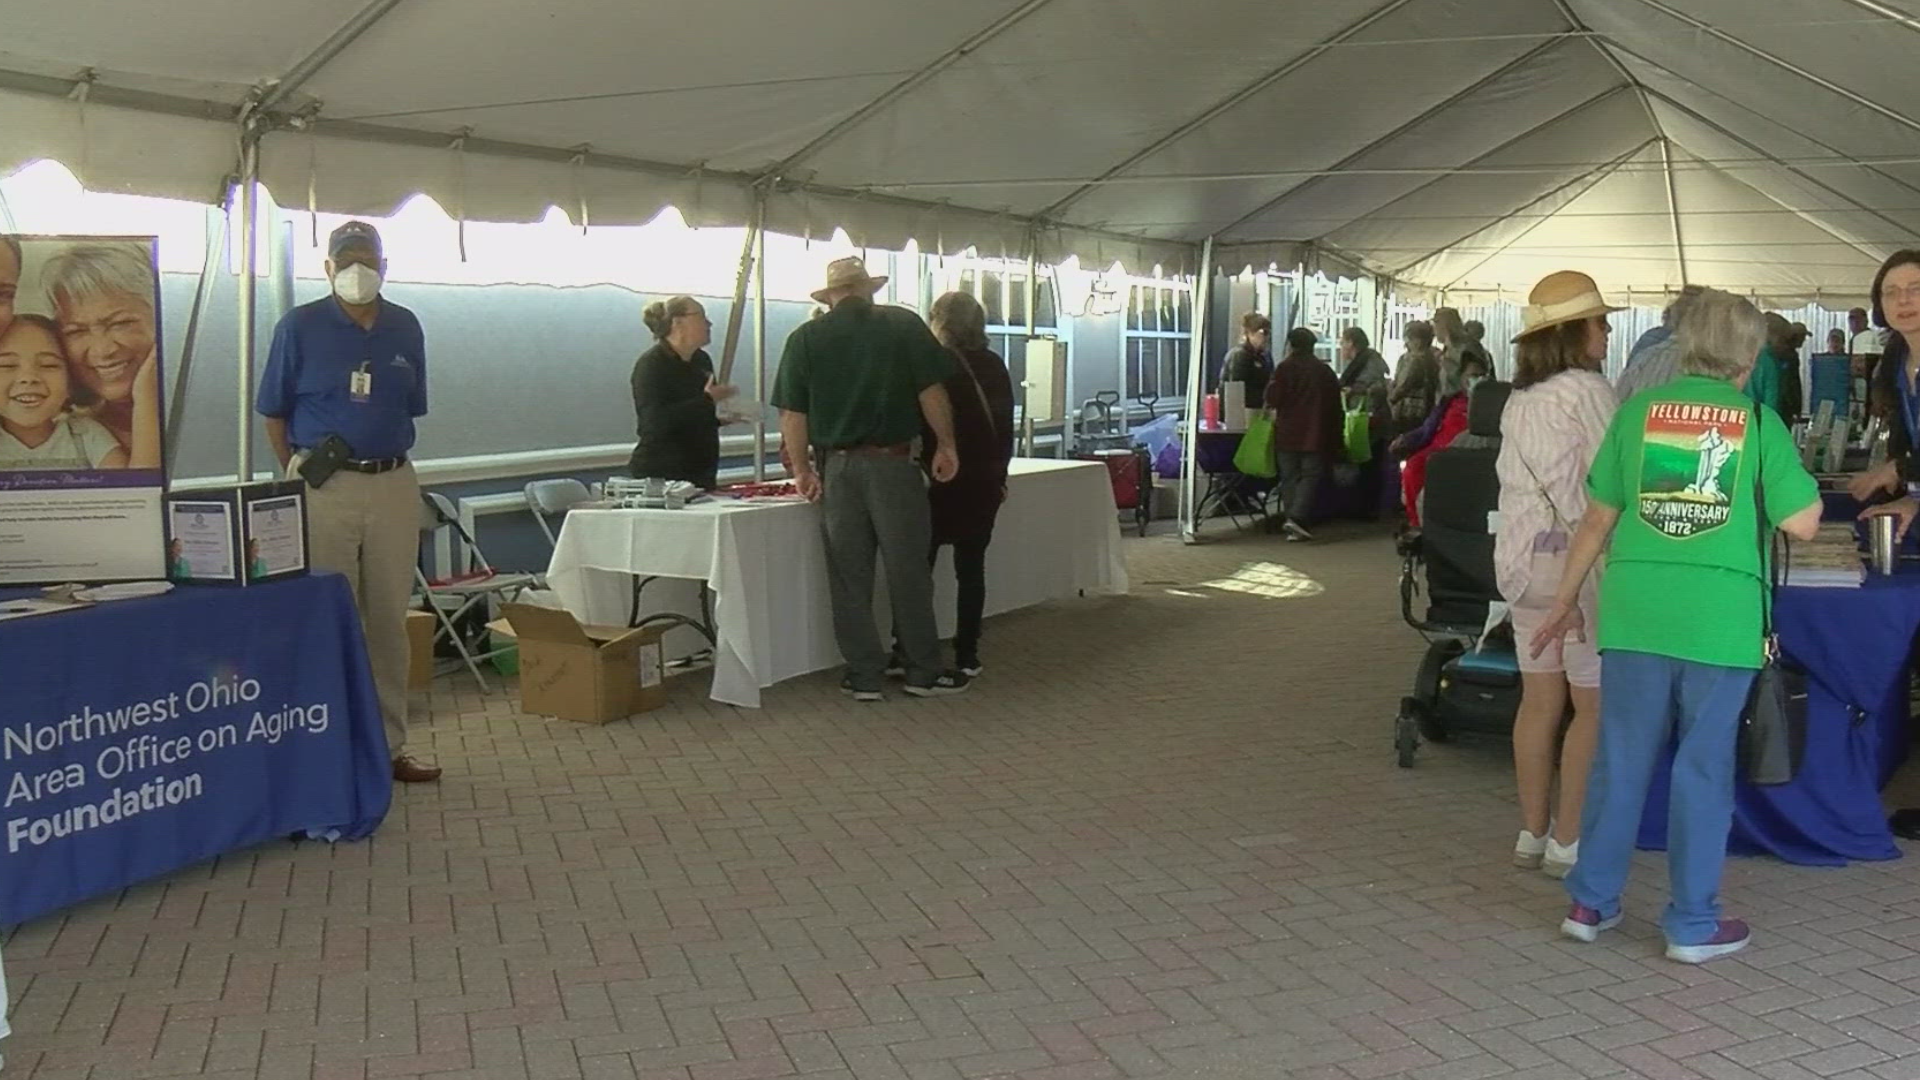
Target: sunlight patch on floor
(1270, 580)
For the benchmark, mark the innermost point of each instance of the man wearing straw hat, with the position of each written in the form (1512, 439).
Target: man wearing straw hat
(853, 387)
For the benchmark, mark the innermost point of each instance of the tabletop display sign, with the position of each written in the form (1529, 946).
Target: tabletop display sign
(237, 536)
(82, 476)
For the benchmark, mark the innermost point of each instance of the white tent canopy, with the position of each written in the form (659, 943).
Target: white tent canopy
(1464, 145)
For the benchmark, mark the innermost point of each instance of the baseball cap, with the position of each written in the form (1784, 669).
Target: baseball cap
(353, 232)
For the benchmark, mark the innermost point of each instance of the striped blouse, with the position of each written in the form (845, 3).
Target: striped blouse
(1549, 434)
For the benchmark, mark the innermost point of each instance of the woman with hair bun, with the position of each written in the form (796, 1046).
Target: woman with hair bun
(675, 398)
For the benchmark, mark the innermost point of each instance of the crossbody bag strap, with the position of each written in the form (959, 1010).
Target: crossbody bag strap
(1761, 532)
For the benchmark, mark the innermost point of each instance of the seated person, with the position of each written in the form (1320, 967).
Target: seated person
(1446, 422)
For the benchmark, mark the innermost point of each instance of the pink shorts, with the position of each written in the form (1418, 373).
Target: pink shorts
(1577, 659)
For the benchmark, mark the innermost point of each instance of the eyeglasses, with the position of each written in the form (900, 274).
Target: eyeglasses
(1895, 292)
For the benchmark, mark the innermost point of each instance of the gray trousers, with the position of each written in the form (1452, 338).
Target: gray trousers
(1299, 483)
(874, 506)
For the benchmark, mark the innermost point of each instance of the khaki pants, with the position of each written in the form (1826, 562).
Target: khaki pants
(368, 528)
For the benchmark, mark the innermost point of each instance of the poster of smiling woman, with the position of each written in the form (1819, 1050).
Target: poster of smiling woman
(81, 475)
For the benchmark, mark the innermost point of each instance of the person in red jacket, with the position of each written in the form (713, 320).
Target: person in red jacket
(1308, 426)
(1449, 419)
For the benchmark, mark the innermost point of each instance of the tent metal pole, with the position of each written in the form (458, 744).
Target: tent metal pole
(1712, 31)
(1738, 140)
(1887, 13)
(737, 315)
(249, 285)
(1673, 209)
(1033, 331)
(1196, 362)
(760, 339)
(182, 368)
(1225, 104)
(1346, 162)
(335, 44)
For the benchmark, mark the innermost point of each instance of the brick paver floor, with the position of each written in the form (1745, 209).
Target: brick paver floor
(1164, 838)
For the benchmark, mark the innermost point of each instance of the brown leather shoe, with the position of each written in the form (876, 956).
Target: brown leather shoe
(408, 771)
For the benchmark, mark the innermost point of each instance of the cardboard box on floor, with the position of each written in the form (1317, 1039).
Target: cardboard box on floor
(420, 627)
(592, 674)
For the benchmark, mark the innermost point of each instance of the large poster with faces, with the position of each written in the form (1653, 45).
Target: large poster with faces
(81, 469)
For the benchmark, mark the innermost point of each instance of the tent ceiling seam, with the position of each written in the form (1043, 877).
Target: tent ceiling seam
(1344, 163)
(1594, 175)
(1807, 215)
(335, 44)
(1785, 65)
(1815, 140)
(1220, 107)
(1592, 180)
(1544, 125)
(906, 86)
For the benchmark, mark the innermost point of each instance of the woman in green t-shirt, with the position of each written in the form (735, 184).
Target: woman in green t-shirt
(1675, 496)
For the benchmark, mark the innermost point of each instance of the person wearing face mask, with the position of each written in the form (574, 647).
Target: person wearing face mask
(350, 369)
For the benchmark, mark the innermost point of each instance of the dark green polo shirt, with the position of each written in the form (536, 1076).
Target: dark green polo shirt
(857, 373)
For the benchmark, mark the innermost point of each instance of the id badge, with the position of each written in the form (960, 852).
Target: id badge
(360, 386)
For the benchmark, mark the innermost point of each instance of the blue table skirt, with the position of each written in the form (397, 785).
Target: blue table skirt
(142, 736)
(1856, 643)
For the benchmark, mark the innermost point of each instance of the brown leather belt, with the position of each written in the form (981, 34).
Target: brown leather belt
(896, 450)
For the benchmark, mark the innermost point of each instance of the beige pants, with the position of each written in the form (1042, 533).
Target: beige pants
(368, 528)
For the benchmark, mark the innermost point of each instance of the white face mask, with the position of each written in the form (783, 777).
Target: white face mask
(356, 284)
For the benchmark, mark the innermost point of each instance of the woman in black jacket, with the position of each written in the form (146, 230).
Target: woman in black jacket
(675, 398)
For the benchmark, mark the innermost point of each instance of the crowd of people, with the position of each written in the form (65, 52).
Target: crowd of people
(1677, 473)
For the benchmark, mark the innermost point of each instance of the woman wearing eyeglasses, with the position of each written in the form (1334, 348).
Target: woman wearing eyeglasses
(675, 398)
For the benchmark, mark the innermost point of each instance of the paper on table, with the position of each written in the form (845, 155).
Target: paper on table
(31, 606)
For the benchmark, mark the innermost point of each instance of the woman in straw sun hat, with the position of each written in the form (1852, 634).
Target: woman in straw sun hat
(1552, 426)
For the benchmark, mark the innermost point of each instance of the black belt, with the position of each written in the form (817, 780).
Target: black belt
(375, 466)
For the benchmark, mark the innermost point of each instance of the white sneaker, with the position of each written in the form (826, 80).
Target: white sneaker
(1558, 861)
(1529, 850)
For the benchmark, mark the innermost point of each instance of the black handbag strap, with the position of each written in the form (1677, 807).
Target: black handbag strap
(1763, 535)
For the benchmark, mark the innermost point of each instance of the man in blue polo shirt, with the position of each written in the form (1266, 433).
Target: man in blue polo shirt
(344, 381)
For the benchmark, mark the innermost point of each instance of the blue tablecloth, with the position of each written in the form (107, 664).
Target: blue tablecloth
(1856, 643)
(141, 736)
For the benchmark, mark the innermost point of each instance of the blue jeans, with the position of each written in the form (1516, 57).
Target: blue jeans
(1645, 701)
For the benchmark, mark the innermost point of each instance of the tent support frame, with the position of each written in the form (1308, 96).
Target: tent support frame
(1590, 179)
(1224, 105)
(336, 43)
(1196, 364)
(1673, 208)
(1344, 163)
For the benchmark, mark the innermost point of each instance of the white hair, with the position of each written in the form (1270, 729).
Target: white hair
(92, 270)
(1720, 335)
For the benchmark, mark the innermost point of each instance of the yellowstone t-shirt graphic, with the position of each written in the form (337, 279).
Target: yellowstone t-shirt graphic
(1689, 458)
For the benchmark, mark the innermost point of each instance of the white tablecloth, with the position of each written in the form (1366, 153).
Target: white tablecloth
(1058, 536)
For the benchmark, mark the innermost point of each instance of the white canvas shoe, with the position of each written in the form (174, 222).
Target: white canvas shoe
(1558, 861)
(1529, 850)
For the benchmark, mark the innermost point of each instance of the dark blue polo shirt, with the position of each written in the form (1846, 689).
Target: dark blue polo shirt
(308, 381)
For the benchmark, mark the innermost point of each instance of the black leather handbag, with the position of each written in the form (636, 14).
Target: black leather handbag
(1773, 728)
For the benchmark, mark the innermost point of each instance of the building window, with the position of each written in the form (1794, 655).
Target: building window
(1001, 287)
(1158, 339)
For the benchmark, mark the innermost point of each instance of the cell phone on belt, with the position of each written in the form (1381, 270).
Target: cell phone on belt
(324, 460)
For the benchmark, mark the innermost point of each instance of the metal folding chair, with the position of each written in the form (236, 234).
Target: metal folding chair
(474, 588)
(547, 499)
